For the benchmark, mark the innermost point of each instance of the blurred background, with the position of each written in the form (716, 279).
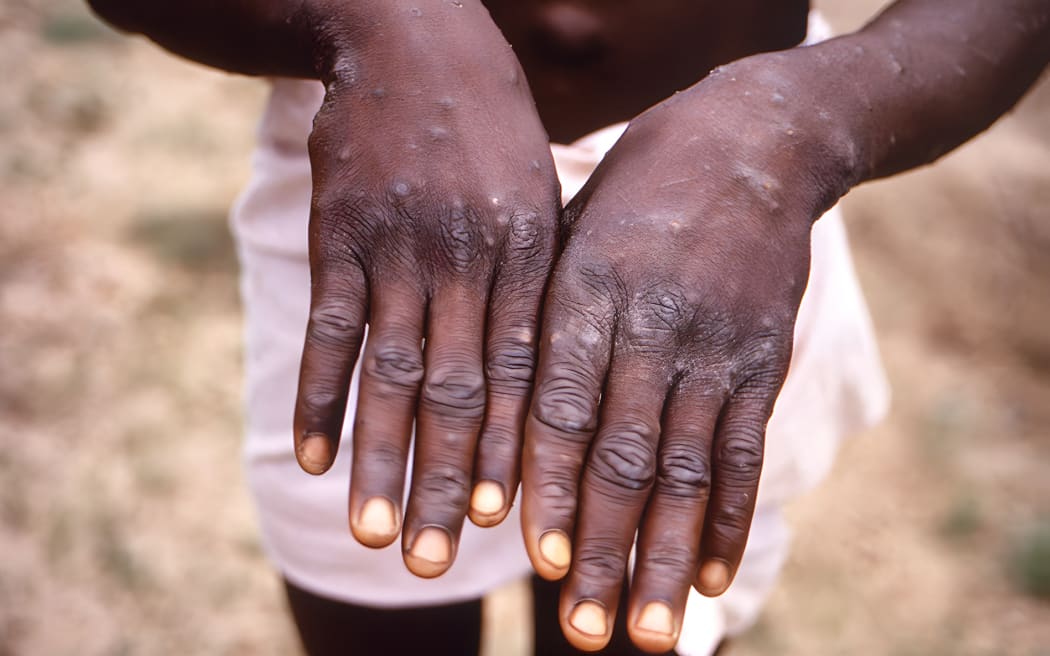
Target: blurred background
(125, 526)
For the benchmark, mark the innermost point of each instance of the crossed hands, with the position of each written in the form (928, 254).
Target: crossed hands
(622, 355)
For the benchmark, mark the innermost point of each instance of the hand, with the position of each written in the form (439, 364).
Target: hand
(434, 218)
(667, 334)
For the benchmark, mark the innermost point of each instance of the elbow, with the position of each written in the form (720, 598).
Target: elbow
(118, 13)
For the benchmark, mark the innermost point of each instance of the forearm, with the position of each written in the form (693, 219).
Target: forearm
(292, 38)
(255, 37)
(919, 80)
(927, 75)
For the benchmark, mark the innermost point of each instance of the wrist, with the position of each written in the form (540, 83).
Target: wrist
(777, 117)
(345, 36)
(804, 98)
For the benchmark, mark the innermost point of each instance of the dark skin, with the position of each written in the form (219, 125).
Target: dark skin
(672, 280)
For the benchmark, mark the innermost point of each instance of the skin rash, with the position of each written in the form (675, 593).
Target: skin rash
(634, 341)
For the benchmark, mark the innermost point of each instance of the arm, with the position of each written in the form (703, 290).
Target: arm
(669, 318)
(293, 38)
(919, 80)
(431, 221)
(939, 73)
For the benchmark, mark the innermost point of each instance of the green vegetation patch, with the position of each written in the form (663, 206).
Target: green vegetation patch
(1029, 560)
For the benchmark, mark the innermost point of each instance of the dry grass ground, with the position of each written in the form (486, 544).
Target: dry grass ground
(124, 523)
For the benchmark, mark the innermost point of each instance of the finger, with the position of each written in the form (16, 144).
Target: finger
(390, 376)
(617, 480)
(574, 356)
(510, 358)
(669, 539)
(338, 307)
(736, 467)
(451, 406)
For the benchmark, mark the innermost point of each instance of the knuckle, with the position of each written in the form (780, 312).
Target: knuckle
(558, 491)
(672, 562)
(600, 279)
(499, 441)
(333, 203)
(714, 330)
(321, 400)
(396, 365)
(381, 459)
(625, 457)
(740, 457)
(342, 228)
(446, 484)
(601, 560)
(765, 359)
(460, 241)
(332, 324)
(455, 390)
(730, 525)
(684, 470)
(657, 315)
(563, 405)
(511, 362)
(526, 237)
(762, 385)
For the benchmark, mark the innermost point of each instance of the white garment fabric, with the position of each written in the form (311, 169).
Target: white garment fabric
(835, 387)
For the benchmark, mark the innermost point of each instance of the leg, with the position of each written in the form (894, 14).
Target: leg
(549, 640)
(333, 628)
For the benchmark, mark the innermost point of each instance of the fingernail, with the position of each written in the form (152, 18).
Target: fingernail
(315, 453)
(488, 498)
(714, 577)
(656, 617)
(377, 522)
(556, 549)
(431, 552)
(589, 617)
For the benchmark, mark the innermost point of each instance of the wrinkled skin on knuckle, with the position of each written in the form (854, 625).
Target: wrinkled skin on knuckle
(317, 401)
(653, 322)
(664, 303)
(624, 459)
(444, 486)
(335, 194)
(331, 323)
(595, 278)
(760, 388)
(600, 560)
(529, 239)
(723, 350)
(347, 229)
(684, 471)
(740, 457)
(455, 391)
(670, 562)
(766, 348)
(562, 403)
(461, 242)
(510, 363)
(382, 459)
(583, 300)
(396, 365)
(730, 524)
(566, 397)
(714, 331)
(557, 489)
(501, 442)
